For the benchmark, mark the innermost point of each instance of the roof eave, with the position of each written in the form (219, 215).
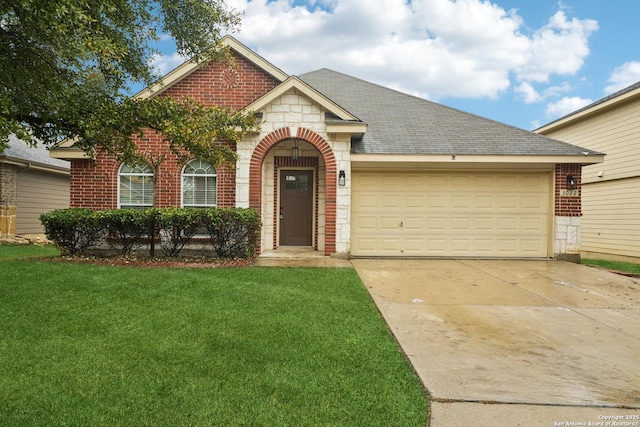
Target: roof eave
(456, 159)
(596, 108)
(68, 153)
(294, 82)
(190, 66)
(27, 164)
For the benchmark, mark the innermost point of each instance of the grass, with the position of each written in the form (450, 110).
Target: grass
(10, 252)
(121, 346)
(626, 267)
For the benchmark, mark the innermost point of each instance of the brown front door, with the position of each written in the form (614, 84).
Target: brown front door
(296, 207)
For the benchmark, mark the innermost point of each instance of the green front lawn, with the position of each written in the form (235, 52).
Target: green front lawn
(107, 346)
(9, 252)
(626, 267)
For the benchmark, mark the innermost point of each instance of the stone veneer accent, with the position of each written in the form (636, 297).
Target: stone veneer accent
(295, 116)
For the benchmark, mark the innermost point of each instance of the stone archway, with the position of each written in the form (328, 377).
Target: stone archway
(257, 162)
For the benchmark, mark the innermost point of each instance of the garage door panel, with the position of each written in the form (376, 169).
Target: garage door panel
(532, 246)
(391, 202)
(413, 202)
(451, 214)
(534, 202)
(414, 224)
(484, 247)
(436, 224)
(367, 223)
(459, 224)
(484, 202)
(534, 225)
(508, 202)
(362, 202)
(484, 224)
(391, 244)
(389, 223)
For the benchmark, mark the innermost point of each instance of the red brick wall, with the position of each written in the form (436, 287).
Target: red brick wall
(217, 84)
(569, 204)
(94, 184)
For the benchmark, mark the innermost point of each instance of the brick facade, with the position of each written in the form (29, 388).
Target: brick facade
(568, 203)
(94, 184)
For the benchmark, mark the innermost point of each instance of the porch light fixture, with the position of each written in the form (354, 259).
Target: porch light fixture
(571, 182)
(295, 151)
(342, 179)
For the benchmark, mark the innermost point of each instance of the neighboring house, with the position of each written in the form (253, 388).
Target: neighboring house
(352, 168)
(31, 183)
(611, 190)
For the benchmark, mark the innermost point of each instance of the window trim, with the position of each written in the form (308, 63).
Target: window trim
(130, 174)
(206, 175)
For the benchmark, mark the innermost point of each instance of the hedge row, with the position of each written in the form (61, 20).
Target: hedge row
(228, 232)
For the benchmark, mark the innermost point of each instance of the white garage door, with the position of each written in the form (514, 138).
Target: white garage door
(450, 214)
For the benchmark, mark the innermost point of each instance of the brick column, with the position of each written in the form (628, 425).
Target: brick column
(568, 212)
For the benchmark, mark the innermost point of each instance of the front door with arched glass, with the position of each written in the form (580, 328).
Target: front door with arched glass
(296, 208)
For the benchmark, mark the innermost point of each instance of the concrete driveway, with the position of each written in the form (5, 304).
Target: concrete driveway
(515, 343)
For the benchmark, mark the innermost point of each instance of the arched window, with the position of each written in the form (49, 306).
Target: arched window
(199, 184)
(135, 186)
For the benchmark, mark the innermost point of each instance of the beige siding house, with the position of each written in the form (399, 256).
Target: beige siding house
(31, 183)
(610, 190)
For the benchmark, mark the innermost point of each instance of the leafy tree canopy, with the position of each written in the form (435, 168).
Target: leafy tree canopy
(65, 67)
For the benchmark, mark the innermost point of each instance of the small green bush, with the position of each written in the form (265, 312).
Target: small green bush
(176, 227)
(233, 231)
(129, 229)
(73, 230)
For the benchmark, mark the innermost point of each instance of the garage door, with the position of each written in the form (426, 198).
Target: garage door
(450, 214)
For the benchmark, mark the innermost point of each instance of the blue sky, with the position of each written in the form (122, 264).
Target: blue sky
(521, 62)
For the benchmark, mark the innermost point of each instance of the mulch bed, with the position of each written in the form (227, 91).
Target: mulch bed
(121, 261)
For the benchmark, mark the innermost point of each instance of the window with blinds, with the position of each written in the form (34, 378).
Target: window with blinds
(199, 184)
(136, 187)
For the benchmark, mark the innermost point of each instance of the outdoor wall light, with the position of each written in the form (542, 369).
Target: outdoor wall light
(342, 179)
(571, 182)
(295, 151)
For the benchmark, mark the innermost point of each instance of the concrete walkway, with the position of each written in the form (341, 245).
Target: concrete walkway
(515, 343)
(299, 256)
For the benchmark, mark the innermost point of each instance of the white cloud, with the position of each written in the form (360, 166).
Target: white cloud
(623, 76)
(165, 63)
(531, 96)
(528, 93)
(565, 106)
(559, 47)
(433, 48)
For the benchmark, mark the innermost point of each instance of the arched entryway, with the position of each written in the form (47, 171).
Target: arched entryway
(330, 176)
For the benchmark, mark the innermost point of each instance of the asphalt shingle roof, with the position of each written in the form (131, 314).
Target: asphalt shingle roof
(39, 154)
(399, 123)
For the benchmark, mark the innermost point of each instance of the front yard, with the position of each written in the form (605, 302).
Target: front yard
(103, 345)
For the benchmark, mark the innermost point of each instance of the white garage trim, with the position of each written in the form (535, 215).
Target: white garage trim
(451, 214)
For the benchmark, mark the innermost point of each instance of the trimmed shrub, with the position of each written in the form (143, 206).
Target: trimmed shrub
(233, 231)
(177, 226)
(73, 230)
(129, 229)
